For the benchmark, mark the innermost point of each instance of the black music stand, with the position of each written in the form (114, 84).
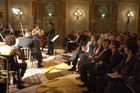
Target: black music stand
(53, 40)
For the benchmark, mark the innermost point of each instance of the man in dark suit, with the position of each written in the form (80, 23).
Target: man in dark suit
(93, 66)
(50, 35)
(72, 43)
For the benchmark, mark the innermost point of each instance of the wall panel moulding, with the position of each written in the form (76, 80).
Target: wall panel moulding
(104, 1)
(48, 1)
(78, 1)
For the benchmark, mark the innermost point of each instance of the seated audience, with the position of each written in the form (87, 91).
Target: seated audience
(120, 78)
(71, 36)
(84, 38)
(95, 66)
(97, 50)
(115, 59)
(86, 50)
(72, 44)
(121, 39)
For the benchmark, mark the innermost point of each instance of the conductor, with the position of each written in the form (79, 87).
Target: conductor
(50, 35)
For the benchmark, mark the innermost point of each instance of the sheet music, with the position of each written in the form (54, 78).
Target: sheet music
(55, 38)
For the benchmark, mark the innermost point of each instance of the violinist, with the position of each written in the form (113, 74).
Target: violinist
(36, 32)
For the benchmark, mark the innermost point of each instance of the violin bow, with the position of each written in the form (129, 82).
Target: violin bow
(2, 37)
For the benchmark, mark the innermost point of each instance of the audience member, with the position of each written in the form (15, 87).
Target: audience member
(87, 49)
(95, 66)
(9, 52)
(124, 70)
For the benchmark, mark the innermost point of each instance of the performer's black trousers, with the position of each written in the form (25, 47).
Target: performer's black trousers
(50, 47)
(37, 51)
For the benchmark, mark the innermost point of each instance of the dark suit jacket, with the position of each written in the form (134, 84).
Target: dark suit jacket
(115, 59)
(84, 40)
(51, 33)
(128, 70)
(105, 56)
(25, 42)
(125, 68)
(134, 79)
(94, 53)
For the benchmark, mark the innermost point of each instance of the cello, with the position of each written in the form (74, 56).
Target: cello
(41, 37)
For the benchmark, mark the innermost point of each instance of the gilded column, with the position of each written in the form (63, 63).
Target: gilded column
(91, 10)
(64, 16)
(139, 20)
(116, 16)
(6, 12)
(34, 10)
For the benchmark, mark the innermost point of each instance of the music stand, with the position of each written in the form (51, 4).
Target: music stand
(53, 40)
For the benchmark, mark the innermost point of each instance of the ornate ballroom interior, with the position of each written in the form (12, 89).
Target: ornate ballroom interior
(95, 16)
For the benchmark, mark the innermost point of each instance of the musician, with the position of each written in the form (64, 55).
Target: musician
(36, 32)
(9, 52)
(10, 29)
(26, 42)
(50, 35)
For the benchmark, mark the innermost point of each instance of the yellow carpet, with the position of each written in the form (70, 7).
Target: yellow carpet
(58, 80)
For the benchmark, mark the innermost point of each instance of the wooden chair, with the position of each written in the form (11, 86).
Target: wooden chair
(26, 55)
(131, 89)
(4, 71)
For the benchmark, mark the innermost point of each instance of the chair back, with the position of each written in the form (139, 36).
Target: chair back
(26, 53)
(3, 64)
(4, 71)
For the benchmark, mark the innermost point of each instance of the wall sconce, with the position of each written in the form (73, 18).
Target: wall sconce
(103, 10)
(49, 14)
(78, 13)
(50, 9)
(129, 16)
(103, 15)
(18, 12)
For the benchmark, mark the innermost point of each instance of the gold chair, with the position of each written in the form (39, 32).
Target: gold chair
(26, 55)
(4, 71)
